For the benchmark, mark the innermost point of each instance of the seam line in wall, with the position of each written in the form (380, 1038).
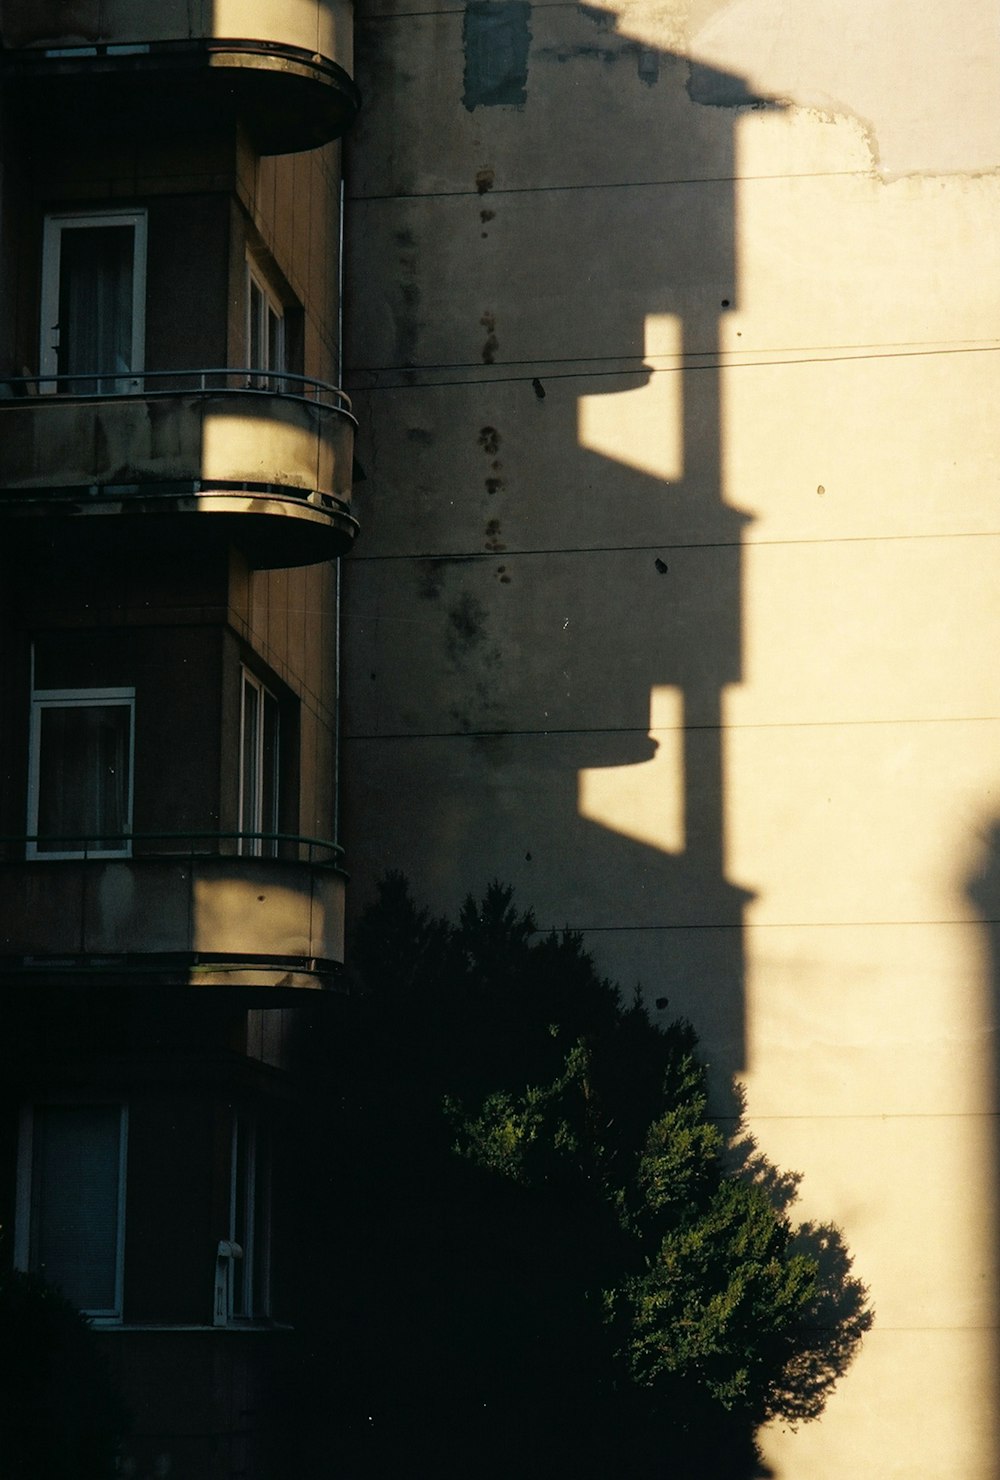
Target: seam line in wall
(791, 724)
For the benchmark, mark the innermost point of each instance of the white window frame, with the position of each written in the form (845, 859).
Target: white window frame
(242, 1256)
(249, 846)
(111, 1316)
(43, 699)
(269, 303)
(54, 226)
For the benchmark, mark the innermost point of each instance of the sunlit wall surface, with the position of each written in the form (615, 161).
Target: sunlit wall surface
(674, 345)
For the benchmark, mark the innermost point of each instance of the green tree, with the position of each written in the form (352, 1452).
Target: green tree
(563, 1265)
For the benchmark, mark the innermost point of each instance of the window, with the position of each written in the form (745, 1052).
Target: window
(80, 773)
(243, 1267)
(70, 1226)
(259, 758)
(93, 301)
(265, 332)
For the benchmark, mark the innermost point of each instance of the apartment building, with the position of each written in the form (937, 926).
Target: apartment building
(672, 340)
(175, 494)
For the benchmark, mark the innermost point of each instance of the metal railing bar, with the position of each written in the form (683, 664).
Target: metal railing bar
(106, 843)
(249, 380)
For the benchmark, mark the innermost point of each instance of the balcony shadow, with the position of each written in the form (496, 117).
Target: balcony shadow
(549, 707)
(641, 606)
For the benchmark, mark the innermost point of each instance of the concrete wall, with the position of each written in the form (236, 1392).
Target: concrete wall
(672, 340)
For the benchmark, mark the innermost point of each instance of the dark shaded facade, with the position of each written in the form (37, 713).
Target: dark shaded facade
(175, 468)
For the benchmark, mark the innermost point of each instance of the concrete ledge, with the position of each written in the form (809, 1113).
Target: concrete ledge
(255, 454)
(285, 67)
(211, 920)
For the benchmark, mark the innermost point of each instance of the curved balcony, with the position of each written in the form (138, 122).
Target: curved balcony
(283, 68)
(261, 459)
(178, 912)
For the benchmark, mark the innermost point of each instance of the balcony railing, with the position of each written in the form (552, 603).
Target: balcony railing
(182, 909)
(208, 843)
(272, 450)
(169, 382)
(284, 68)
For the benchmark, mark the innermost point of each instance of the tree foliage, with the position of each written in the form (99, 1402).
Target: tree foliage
(564, 1264)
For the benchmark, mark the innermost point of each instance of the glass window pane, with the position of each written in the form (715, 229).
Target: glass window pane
(250, 767)
(83, 776)
(95, 305)
(259, 769)
(256, 345)
(275, 359)
(242, 1194)
(75, 1201)
(250, 1224)
(269, 773)
(260, 1274)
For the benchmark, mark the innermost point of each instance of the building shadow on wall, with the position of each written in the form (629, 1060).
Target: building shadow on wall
(982, 889)
(621, 827)
(635, 578)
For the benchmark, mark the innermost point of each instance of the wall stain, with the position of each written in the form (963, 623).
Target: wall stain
(496, 41)
(484, 179)
(465, 639)
(431, 574)
(420, 435)
(408, 302)
(646, 58)
(466, 624)
(648, 65)
(489, 441)
(562, 54)
(604, 20)
(483, 698)
(492, 343)
(430, 580)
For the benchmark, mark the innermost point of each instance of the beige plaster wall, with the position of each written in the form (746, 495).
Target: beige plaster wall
(747, 253)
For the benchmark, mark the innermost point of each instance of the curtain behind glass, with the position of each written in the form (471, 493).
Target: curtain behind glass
(95, 306)
(83, 777)
(269, 818)
(250, 769)
(75, 1201)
